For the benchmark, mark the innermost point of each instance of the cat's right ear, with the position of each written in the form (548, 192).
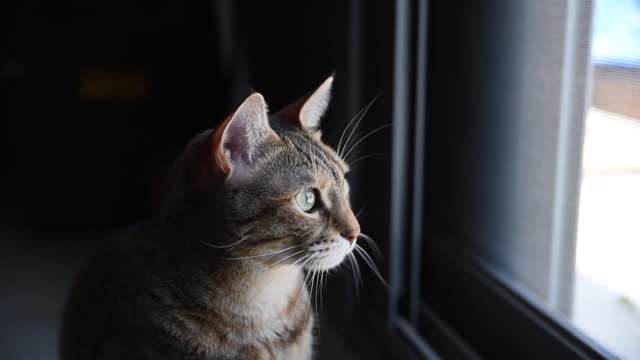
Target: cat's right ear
(308, 110)
(238, 141)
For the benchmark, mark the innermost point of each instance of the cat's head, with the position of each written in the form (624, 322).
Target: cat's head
(285, 195)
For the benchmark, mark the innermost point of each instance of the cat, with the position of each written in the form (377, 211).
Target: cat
(219, 271)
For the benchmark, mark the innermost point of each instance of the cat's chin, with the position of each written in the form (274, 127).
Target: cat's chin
(330, 263)
(329, 257)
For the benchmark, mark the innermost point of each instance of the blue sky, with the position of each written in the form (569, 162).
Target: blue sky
(616, 32)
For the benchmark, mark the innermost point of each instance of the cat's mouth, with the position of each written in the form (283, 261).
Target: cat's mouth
(327, 254)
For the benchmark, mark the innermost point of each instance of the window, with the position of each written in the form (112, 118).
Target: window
(486, 218)
(607, 291)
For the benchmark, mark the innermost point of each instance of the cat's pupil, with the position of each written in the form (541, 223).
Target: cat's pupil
(306, 200)
(310, 197)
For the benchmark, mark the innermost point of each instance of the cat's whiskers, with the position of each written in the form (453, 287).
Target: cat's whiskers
(371, 243)
(302, 288)
(357, 267)
(363, 138)
(361, 158)
(356, 283)
(302, 264)
(319, 290)
(346, 128)
(362, 114)
(325, 276)
(231, 246)
(367, 259)
(316, 296)
(176, 220)
(269, 253)
(271, 256)
(310, 293)
(288, 256)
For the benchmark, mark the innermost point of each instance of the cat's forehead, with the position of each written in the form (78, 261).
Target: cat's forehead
(296, 164)
(310, 149)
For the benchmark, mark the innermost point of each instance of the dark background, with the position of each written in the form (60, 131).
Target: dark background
(98, 97)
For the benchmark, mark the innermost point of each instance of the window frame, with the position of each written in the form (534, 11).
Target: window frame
(453, 320)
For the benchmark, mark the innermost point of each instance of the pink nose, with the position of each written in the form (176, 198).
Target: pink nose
(351, 233)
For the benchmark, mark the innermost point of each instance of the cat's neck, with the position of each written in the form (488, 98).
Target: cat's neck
(242, 287)
(271, 289)
(254, 289)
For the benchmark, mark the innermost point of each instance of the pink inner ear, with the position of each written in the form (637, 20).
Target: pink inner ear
(242, 136)
(235, 143)
(306, 112)
(316, 105)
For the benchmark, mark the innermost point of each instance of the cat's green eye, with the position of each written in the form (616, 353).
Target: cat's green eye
(305, 200)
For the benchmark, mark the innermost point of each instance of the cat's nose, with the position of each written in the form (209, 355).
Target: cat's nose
(351, 232)
(348, 225)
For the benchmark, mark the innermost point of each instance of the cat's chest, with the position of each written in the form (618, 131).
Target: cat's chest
(276, 302)
(270, 293)
(280, 327)
(273, 314)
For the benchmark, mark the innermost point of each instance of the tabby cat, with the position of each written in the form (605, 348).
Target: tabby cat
(253, 208)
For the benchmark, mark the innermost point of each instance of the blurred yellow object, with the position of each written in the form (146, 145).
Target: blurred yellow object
(113, 84)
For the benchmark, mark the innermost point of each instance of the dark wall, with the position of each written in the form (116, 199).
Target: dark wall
(100, 97)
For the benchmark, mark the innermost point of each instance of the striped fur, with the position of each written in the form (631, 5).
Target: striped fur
(219, 272)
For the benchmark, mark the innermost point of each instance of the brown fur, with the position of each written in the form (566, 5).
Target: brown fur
(175, 288)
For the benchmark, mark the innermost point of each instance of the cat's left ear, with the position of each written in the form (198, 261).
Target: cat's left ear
(307, 111)
(242, 138)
